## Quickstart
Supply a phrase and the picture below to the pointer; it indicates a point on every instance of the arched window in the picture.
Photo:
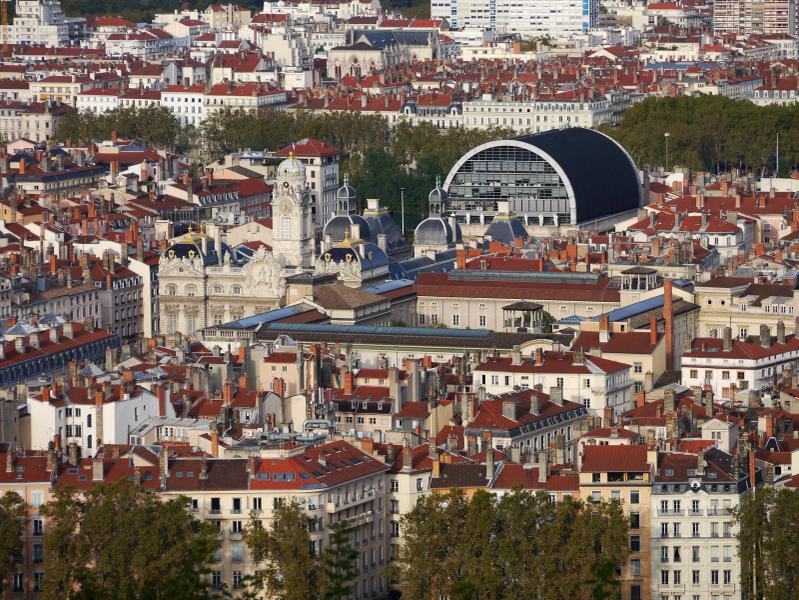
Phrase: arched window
(171, 290)
(89, 441)
(89, 420)
(218, 290)
(191, 290)
(237, 290)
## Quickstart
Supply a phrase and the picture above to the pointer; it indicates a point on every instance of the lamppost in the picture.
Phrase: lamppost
(667, 135)
(402, 208)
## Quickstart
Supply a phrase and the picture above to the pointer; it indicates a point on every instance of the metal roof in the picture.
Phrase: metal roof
(625, 312)
(387, 331)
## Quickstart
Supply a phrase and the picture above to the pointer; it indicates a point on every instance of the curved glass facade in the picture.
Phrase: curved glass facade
(508, 173)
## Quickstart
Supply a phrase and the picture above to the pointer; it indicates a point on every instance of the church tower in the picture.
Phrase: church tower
(292, 227)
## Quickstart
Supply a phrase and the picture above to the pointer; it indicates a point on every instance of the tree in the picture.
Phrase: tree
(340, 562)
(286, 566)
(118, 541)
(153, 125)
(520, 546)
(767, 521)
(12, 519)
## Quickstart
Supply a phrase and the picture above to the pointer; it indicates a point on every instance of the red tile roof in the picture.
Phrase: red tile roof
(615, 458)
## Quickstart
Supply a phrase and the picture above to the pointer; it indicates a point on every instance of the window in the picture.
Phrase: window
(634, 497)
(664, 577)
(587, 402)
(216, 580)
(635, 592)
(695, 577)
(695, 553)
(664, 554)
(394, 529)
(236, 505)
(675, 529)
(216, 505)
(236, 580)
(38, 553)
(393, 507)
(677, 577)
(635, 543)
(237, 290)
(635, 567)
(38, 526)
(19, 582)
(89, 420)
(456, 320)
(664, 530)
(236, 527)
(695, 529)
(37, 499)
(482, 320)
(596, 477)
(727, 577)
(635, 520)
(419, 487)
(394, 485)
(638, 367)
(714, 577)
(694, 374)
(256, 504)
(285, 227)
(677, 554)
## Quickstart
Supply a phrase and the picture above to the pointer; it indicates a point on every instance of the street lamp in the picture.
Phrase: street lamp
(402, 208)
(667, 135)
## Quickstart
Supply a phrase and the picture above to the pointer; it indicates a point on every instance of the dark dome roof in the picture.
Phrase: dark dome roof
(435, 231)
(601, 173)
(373, 257)
(201, 245)
(380, 222)
(346, 192)
(340, 227)
(506, 229)
(437, 194)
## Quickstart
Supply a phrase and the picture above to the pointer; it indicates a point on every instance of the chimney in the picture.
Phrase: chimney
(765, 336)
(489, 456)
(607, 417)
(653, 331)
(539, 357)
(668, 317)
(348, 382)
(509, 409)
(780, 332)
(556, 395)
(98, 471)
(407, 457)
(214, 439)
(243, 381)
(668, 401)
(543, 466)
(516, 356)
(227, 392)
(604, 329)
(727, 333)
(535, 404)
(640, 399)
(72, 454)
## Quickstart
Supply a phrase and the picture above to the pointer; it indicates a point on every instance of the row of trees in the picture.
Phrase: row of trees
(153, 125)
(710, 133)
(768, 523)
(518, 546)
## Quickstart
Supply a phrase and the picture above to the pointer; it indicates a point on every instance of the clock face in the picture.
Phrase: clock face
(286, 184)
(284, 206)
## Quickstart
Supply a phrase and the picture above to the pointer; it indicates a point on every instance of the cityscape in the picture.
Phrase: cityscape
(363, 299)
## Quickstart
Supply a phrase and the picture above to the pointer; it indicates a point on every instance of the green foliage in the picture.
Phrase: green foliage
(12, 513)
(286, 569)
(710, 133)
(118, 541)
(153, 125)
(340, 562)
(519, 546)
(380, 160)
(546, 322)
(143, 10)
(769, 549)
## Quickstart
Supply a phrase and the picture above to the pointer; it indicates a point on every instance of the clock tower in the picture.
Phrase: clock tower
(292, 227)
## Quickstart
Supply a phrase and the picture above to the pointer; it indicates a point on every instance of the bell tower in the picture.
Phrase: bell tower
(292, 227)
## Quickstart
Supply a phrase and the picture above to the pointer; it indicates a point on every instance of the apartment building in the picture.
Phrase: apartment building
(694, 549)
(332, 482)
(624, 473)
(728, 365)
(591, 381)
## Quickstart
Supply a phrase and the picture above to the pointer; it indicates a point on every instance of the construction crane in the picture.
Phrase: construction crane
(4, 19)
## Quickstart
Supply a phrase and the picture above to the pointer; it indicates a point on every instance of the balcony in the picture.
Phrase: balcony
(715, 512)
(343, 503)
(361, 519)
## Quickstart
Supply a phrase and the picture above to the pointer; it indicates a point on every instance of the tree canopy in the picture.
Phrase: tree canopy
(710, 133)
(118, 541)
(286, 568)
(519, 546)
(768, 520)
(154, 125)
(12, 513)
